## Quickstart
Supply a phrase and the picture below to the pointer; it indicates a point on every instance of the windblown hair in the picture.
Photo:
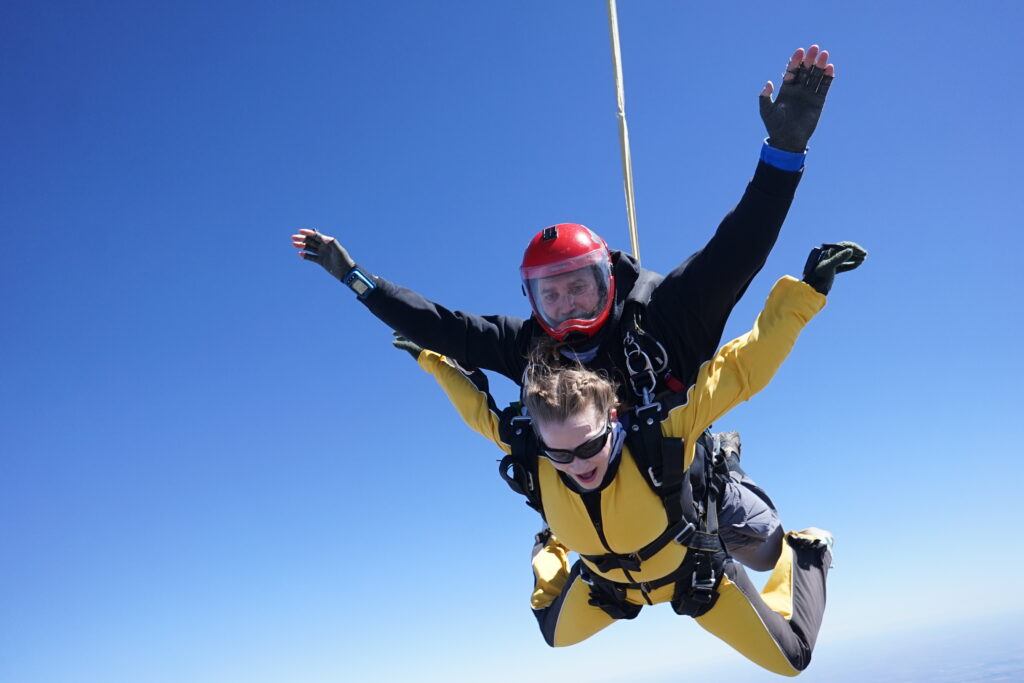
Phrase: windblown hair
(552, 393)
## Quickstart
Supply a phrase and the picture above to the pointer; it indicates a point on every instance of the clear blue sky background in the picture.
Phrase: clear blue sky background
(215, 467)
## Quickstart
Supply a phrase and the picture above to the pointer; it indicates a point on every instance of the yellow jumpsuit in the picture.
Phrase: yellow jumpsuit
(775, 628)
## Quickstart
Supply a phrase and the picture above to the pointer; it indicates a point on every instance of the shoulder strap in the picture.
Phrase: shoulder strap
(519, 468)
(689, 496)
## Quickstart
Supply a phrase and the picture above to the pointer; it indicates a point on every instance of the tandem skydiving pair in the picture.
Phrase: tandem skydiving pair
(622, 368)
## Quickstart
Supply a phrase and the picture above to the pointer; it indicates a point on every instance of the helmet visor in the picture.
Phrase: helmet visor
(570, 298)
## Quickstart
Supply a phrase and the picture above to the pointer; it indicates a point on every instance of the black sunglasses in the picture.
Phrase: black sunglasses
(587, 449)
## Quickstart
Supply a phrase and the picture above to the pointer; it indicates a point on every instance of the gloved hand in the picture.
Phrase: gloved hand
(793, 116)
(612, 601)
(409, 346)
(324, 250)
(825, 261)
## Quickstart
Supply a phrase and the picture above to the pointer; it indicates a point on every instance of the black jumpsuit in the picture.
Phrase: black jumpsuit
(686, 313)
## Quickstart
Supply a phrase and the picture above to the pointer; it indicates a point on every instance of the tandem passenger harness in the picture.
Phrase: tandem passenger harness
(690, 498)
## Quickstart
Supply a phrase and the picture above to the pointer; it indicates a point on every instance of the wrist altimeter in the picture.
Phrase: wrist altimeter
(359, 281)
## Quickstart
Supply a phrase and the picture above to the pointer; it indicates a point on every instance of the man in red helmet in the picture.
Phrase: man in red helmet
(651, 333)
(567, 273)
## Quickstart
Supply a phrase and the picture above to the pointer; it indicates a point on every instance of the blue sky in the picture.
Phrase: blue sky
(213, 465)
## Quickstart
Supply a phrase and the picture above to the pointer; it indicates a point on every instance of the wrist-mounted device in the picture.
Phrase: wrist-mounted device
(359, 282)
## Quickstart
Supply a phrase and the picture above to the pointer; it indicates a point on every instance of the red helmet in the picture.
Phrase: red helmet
(567, 273)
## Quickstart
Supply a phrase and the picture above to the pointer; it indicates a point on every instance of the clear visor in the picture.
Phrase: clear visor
(591, 258)
(569, 295)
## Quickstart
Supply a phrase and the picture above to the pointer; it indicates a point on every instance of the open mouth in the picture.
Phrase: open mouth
(587, 478)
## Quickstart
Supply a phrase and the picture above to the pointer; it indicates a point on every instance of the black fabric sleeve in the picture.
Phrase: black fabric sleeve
(495, 342)
(688, 310)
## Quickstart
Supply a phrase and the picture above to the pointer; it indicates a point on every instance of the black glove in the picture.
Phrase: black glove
(793, 116)
(613, 605)
(410, 347)
(329, 254)
(825, 261)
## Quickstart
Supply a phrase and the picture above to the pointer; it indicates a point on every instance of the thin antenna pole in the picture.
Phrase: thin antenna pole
(627, 162)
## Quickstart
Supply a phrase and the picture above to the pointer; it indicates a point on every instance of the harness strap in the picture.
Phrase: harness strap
(699, 595)
(519, 468)
(697, 580)
(706, 484)
(680, 532)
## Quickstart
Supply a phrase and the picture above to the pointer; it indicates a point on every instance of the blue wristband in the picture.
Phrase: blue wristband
(780, 159)
(360, 283)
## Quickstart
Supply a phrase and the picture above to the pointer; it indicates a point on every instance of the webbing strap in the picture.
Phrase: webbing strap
(684, 574)
(680, 532)
(518, 468)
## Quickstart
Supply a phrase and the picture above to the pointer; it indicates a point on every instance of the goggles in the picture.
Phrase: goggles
(586, 450)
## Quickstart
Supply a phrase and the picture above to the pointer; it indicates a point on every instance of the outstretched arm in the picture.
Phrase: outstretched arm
(490, 342)
(688, 311)
(745, 365)
(468, 392)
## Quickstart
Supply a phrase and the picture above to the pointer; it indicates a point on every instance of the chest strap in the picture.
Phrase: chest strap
(680, 532)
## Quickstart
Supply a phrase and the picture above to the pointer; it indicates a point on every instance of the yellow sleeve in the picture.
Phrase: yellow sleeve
(745, 365)
(550, 572)
(473, 403)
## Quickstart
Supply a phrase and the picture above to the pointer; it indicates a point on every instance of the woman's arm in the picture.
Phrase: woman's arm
(468, 393)
(745, 365)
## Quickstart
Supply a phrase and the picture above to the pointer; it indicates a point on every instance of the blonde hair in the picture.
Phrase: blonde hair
(553, 394)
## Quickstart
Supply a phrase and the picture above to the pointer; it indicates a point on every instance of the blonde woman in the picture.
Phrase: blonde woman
(603, 498)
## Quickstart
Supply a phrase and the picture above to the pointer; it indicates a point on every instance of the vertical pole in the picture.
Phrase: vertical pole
(627, 162)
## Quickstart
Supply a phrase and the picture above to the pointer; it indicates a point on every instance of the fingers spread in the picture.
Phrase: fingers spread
(768, 89)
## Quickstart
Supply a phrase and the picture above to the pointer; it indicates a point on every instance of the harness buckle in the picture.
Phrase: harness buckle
(702, 581)
(707, 584)
(648, 405)
(654, 479)
(521, 419)
(686, 534)
(702, 591)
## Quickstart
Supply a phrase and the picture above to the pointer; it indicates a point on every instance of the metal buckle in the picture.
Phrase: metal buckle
(703, 585)
(702, 590)
(654, 479)
(686, 534)
(638, 363)
(520, 418)
(648, 405)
